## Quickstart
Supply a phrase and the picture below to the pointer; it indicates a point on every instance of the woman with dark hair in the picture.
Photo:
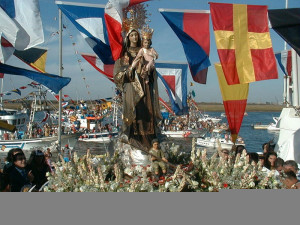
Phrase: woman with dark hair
(268, 147)
(140, 99)
(37, 163)
(8, 167)
(19, 174)
(270, 159)
(252, 157)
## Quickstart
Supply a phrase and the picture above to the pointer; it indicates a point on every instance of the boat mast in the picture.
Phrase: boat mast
(60, 74)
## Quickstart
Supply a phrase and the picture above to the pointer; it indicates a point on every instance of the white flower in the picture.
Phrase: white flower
(252, 184)
(195, 183)
(210, 189)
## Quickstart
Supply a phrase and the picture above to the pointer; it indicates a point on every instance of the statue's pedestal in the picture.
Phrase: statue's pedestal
(130, 155)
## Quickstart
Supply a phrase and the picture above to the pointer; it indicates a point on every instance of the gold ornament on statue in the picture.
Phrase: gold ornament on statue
(147, 32)
(134, 17)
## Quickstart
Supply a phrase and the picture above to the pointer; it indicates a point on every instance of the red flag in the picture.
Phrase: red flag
(106, 70)
(243, 42)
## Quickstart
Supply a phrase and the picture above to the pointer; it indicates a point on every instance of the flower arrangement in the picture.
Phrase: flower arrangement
(105, 173)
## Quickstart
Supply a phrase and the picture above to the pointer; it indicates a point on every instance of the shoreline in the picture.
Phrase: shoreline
(203, 106)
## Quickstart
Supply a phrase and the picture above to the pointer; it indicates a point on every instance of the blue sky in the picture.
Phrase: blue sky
(89, 84)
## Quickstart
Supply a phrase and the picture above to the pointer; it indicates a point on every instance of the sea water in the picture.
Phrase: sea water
(253, 138)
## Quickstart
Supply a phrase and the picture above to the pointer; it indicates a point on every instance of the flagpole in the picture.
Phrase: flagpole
(60, 74)
(2, 92)
(286, 80)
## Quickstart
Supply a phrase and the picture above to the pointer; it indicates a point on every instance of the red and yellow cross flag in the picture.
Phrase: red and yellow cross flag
(234, 101)
(243, 42)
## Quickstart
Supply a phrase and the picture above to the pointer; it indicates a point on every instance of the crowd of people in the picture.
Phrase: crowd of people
(21, 175)
(271, 163)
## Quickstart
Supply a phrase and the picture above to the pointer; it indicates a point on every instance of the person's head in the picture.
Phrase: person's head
(225, 154)
(290, 165)
(155, 144)
(279, 164)
(19, 160)
(290, 179)
(239, 149)
(146, 43)
(252, 157)
(268, 147)
(11, 153)
(37, 157)
(132, 39)
(261, 159)
(270, 159)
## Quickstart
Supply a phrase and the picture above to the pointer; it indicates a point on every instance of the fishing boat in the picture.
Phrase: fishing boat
(273, 126)
(259, 126)
(99, 137)
(212, 140)
(193, 133)
(206, 118)
(38, 143)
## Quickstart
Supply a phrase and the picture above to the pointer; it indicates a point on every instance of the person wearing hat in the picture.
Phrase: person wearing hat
(67, 153)
(158, 158)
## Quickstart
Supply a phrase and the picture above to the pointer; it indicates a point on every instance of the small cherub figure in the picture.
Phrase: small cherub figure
(148, 53)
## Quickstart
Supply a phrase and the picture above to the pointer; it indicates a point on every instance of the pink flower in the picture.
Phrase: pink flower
(225, 185)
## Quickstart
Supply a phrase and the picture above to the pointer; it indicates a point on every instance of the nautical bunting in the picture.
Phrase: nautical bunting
(243, 42)
(89, 20)
(53, 82)
(174, 78)
(6, 49)
(105, 69)
(286, 23)
(34, 57)
(192, 28)
(234, 100)
(284, 60)
(21, 23)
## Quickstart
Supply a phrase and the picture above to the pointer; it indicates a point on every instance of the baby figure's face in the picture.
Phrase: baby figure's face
(146, 43)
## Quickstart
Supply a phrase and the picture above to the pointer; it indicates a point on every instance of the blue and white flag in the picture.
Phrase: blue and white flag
(284, 60)
(89, 20)
(21, 23)
(51, 81)
(174, 78)
(192, 28)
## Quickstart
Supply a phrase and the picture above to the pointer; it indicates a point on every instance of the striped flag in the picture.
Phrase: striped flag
(174, 78)
(6, 49)
(21, 23)
(34, 57)
(234, 100)
(243, 42)
(192, 28)
(284, 60)
(89, 20)
(105, 69)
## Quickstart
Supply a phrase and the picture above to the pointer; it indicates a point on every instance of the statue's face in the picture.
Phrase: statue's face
(146, 43)
(133, 37)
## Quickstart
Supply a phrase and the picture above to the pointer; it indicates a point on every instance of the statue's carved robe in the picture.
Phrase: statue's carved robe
(140, 100)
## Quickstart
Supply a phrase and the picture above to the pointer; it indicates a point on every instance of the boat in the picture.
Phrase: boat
(215, 137)
(259, 126)
(273, 126)
(99, 137)
(38, 143)
(193, 133)
(288, 144)
(206, 118)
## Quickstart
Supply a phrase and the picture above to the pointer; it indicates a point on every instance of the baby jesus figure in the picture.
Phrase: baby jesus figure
(149, 55)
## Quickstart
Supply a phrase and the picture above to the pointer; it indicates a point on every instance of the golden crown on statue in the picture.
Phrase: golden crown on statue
(134, 17)
(147, 32)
